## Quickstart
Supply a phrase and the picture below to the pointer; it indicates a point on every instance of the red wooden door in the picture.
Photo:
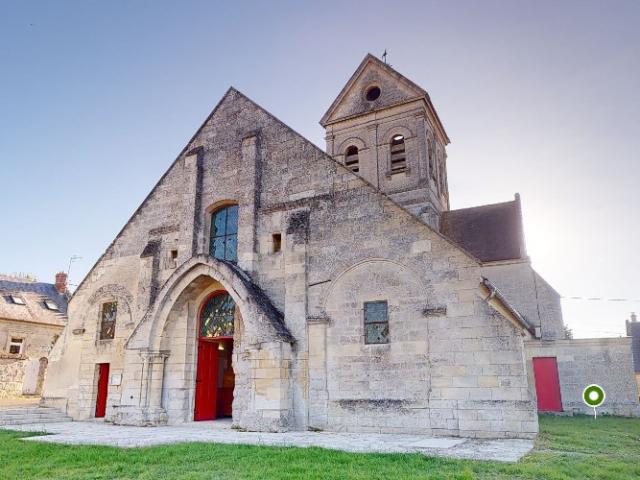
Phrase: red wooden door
(226, 377)
(206, 381)
(103, 386)
(545, 371)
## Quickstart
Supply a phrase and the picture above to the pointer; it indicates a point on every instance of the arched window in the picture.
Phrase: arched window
(351, 160)
(224, 234)
(398, 155)
(217, 315)
(442, 169)
(108, 315)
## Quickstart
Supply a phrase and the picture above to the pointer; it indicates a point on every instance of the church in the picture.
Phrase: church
(289, 288)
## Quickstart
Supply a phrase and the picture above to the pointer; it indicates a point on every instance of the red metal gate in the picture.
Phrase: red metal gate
(545, 371)
(103, 386)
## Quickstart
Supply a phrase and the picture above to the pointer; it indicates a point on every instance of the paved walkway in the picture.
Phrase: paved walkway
(100, 433)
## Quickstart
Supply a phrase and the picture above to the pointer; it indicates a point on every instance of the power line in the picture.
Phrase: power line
(602, 299)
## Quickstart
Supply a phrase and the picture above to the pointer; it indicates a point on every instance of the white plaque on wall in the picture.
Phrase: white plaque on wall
(116, 379)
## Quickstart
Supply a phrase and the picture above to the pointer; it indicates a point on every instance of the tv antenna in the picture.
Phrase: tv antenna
(72, 259)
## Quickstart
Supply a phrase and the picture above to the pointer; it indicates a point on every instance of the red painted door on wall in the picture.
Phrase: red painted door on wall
(226, 377)
(206, 381)
(545, 371)
(103, 386)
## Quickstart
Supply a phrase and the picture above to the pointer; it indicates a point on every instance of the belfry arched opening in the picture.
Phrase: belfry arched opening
(215, 378)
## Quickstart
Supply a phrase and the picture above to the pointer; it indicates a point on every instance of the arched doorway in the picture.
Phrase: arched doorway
(215, 379)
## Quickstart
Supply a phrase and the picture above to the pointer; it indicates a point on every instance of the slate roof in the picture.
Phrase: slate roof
(34, 295)
(489, 232)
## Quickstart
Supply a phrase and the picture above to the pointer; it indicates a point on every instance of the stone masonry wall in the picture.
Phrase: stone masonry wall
(604, 361)
(12, 372)
(461, 372)
(530, 294)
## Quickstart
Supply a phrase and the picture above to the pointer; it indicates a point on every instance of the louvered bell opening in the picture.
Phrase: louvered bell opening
(398, 155)
(351, 160)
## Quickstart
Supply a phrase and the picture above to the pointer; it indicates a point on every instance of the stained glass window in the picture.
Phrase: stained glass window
(108, 320)
(224, 234)
(217, 316)
(376, 322)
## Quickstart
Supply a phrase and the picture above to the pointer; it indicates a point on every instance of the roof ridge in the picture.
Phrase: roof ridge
(481, 206)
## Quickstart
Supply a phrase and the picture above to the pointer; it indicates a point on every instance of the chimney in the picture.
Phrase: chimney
(61, 282)
(634, 317)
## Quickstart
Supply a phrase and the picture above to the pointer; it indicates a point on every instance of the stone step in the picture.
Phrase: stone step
(33, 415)
(26, 415)
(27, 411)
(32, 421)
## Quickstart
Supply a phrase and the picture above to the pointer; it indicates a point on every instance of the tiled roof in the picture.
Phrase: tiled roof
(489, 232)
(34, 295)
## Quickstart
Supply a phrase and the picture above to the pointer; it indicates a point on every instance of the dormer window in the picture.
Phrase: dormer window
(51, 305)
(351, 159)
(398, 154)
(17, 300)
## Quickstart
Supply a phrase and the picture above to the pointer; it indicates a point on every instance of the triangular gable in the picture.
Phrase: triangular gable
(395, 89)
(229, 96)
(231, 91)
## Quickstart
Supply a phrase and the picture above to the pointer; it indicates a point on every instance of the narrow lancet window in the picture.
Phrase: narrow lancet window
(398, 154)
(351, 159)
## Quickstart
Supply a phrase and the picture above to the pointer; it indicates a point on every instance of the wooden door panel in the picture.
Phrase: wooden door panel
(206, 381)
(103, 387)
(545, 371)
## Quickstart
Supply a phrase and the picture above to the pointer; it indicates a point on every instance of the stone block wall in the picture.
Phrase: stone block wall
(530, 294)
(458, 372)
(29, 368)
(604, 361)
(12, 371)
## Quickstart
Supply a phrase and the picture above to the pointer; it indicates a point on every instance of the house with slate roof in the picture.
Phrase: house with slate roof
(32, 316)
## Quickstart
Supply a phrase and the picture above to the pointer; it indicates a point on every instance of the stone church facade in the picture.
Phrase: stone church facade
(294, 289)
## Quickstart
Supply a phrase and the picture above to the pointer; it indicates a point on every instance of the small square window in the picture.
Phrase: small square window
(174, 254)
(376, 322)
(17, 300)
(15, 346)
(277, 242)
(51, 305)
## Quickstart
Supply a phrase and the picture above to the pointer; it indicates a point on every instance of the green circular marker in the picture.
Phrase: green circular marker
(593, 395)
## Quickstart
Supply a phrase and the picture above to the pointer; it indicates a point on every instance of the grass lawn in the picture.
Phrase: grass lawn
(578, 447)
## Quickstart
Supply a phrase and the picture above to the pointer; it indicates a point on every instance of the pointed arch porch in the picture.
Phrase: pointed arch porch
(261, 355)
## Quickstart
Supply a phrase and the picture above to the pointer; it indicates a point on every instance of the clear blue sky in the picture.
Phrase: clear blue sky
(98, 97)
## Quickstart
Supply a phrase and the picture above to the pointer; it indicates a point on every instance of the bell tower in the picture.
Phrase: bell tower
(384, 128)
